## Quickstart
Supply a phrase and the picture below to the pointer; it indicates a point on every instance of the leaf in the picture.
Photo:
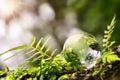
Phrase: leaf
(2, 72)
(32, 56)
(38, 48)
(37, 59)
(52, 54)
(33, 42)
(13, 55)
(30, 51)
(44, 44)
(95, 73)
(104, 57)
(63, 77)
(38, 43)
(109, 57)
(47, 50)
(113, 58)
(107, 36)
(15, 48)
(53, 77)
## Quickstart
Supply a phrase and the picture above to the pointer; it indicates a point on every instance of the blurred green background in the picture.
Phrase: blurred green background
(93, 15)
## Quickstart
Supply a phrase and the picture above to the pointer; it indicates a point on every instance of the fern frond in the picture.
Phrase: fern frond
(20, 48)
(33, 42)
(13, 49)
(107, 36)
(39, 42)
(43, 46)
(38, 48)
(33, 55)
(14, 55)
(47, 50)
(34, 49)
(52, 54)
(109, 57)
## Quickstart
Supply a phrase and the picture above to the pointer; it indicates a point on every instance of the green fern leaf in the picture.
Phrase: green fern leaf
(32, 56)
(107, 36)
(63, 77)
(112, 58)
(43, 46)
(38, 43)
(33, 42)
(109, 57)
(20, 48)
(32, 50)
(14, 55)
(15, 48)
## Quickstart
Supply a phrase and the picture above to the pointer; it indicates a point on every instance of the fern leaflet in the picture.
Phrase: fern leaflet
(107, 36)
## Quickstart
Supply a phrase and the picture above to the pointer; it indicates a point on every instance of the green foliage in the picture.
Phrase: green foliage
(3, 72)
(63, 77)
(43, 65)
(48, 69)
(107, 36)
(13, 49)
(21, 48)
(109, 57)
(38, 49)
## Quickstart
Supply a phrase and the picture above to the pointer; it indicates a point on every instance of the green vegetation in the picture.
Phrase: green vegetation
(45, 66)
